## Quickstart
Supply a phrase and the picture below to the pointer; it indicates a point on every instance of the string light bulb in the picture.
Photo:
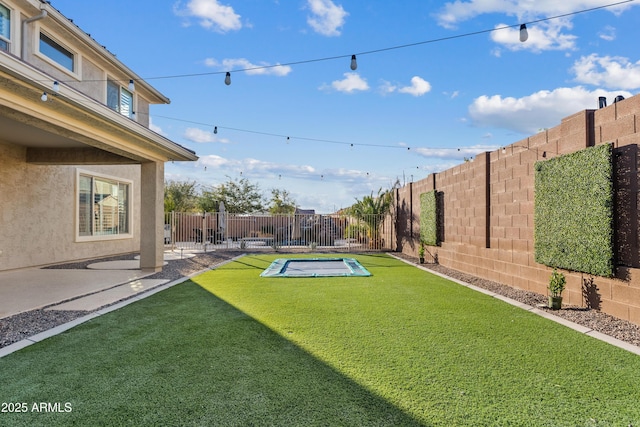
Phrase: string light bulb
(44, 97)
(524, 34)
(132, 86)
(227, 79)
(215, 130)
(56, 87)
(354, 63)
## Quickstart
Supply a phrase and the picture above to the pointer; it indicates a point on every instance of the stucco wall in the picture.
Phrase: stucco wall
(488, 211)
(37, 212)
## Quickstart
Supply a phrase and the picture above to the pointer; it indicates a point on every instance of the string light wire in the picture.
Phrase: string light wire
(290, 138)
(373, 51)
(386, 49)
(352, 56)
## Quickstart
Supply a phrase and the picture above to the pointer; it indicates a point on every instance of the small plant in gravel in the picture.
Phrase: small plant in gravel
(557, 284)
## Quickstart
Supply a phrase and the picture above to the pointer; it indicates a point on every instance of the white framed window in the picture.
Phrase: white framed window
(119, 99)
(104, 208)
(60, 55)
(5, 28)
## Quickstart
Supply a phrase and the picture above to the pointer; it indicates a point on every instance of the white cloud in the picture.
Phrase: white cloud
(345, 175)
(608, 33)
(212, 15)
(260, 166)
(458, 11)
(202, 136)
(327, 18)
(419, 87)
(612, 72)
(351, 83)
(529, 114)
(542, 36)
(325, 190)
(262, 68)
(214, 161)
(155, 128)
(453, 153)
(254, 167)
(386, 87)
(452, 95)
(548, 35)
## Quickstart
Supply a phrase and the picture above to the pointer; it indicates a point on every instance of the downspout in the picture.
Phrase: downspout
(23, 46)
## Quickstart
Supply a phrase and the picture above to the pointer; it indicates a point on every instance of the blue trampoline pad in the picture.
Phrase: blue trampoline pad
(315, 267)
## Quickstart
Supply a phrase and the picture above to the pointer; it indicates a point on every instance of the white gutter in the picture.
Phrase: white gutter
(23, 46)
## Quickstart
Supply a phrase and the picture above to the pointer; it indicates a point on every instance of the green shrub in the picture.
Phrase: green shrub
(429, 218)
(574, 211)
(355, 231)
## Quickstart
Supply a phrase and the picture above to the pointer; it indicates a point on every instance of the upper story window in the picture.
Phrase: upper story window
(5, 28)
(57, 53)
(119, 99)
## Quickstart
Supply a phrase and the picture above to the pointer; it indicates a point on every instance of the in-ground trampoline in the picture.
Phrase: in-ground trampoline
(315, 267)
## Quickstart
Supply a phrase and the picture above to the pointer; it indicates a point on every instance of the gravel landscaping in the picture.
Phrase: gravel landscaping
(24, 325)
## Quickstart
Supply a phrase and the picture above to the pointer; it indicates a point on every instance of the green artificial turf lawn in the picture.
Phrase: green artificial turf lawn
(402, 347)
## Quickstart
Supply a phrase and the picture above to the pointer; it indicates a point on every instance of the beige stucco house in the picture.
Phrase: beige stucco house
(81, 173)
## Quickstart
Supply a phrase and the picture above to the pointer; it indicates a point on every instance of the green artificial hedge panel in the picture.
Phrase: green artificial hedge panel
(429, 218)
(574, 211)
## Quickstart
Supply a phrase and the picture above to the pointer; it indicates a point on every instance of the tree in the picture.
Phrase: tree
(371, 210)
(281, 202)
(179, 196)
(207, 201)
(238, 195)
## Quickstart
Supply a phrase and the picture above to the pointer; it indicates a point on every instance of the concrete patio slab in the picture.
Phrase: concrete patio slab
(131, 264)
(172, 256)
(31, 289)
(134, 264)
(109, 296)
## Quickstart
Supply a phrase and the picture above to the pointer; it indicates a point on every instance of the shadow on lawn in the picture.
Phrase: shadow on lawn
(249, 262)
(314, 392)
(183, 357)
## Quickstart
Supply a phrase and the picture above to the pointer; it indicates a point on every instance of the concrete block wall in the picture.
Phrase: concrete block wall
(488, 211)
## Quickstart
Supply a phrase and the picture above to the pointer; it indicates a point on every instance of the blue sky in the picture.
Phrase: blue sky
(402, 114)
